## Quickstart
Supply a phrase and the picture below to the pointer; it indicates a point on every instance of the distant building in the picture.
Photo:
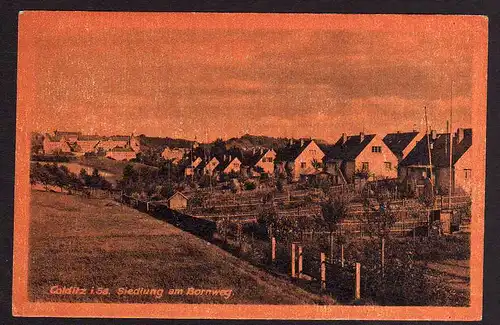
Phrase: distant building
(112, 142)
(174, 154)
(134, 143)
(68, 136)
(208, 166)
(55, 144)
(260, 161)
(190, 168)
(178, 201)
(119, 153)
(300, 158)
(229, 164)
(417, 165)
(361, 155)
(86, 144)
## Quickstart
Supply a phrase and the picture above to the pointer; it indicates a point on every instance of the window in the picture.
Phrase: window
(364, 166)
(467, 173)
(388, 165)
(313, 152)
(376, 149)
(303, 165)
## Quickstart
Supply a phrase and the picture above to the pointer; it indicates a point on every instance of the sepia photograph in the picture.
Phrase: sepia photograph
(265, 166)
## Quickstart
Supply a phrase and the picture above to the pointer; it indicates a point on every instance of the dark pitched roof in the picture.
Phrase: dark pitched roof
(397, 142)
(440, 154)
(121, 149)
(224, 163)
(252, 157)
(118, 138)
(89, 137)
(291, 151)
(348, 150)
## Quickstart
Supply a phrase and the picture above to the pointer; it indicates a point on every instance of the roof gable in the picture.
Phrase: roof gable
(292, 151)
(349, 149)
(398, 142)
(440, 153)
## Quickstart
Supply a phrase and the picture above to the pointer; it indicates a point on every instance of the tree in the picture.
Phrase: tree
(167, 190)
(379, 213)
(333, 211)
(279, 185)
(268, 217)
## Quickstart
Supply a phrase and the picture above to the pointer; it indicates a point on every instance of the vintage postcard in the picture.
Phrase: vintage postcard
(250, 166)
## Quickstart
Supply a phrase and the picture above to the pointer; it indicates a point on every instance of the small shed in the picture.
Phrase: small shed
(178, 201)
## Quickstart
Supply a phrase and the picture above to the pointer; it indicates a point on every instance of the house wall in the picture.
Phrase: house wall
(443, 179)
(209, 168)
(175, 154)
(311, 153)
(268, 166)
(189, 170)
(121, 155)
(463, 181)
(177, 202)
(234, 166)
(376, 160)
(349, 170)
(334, 168)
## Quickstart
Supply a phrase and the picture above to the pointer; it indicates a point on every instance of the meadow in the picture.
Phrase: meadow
(77, 242)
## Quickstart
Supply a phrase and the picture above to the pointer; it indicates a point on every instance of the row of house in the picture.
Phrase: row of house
(400, 155)
(78, 144)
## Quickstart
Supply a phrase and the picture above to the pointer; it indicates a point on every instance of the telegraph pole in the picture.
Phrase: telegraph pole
(451, 146)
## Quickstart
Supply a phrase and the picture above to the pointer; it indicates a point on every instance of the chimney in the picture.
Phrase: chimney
(361, 137)
(433, 134)
(253, 151)
(344, 138)
(224, 157)
(301, 142)
(460, 135)
(230, 157)
(291, 141)
(261, 151)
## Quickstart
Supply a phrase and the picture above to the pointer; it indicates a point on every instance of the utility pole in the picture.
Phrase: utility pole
(429, 150)
(451, 147)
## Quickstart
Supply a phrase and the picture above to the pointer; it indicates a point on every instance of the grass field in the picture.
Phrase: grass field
(90, 243)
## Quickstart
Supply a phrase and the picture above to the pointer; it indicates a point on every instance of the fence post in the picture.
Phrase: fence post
(382, 256)
(357, 291)
(331, 245)
(323, 270)
(342, 254)
(273, 249)
(293, 260)
(300, 261)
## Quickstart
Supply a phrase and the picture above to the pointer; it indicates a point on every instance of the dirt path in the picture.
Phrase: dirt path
(455, 272)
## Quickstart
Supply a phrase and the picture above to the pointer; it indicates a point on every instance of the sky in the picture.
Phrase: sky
(224, 75)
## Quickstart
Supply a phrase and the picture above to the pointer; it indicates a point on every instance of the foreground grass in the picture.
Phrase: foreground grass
(80, 242)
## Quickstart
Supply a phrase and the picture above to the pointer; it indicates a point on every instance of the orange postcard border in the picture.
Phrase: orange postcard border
(21, 306)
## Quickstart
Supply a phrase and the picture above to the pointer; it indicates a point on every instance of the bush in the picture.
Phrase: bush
(279, 185)
(249, 186)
